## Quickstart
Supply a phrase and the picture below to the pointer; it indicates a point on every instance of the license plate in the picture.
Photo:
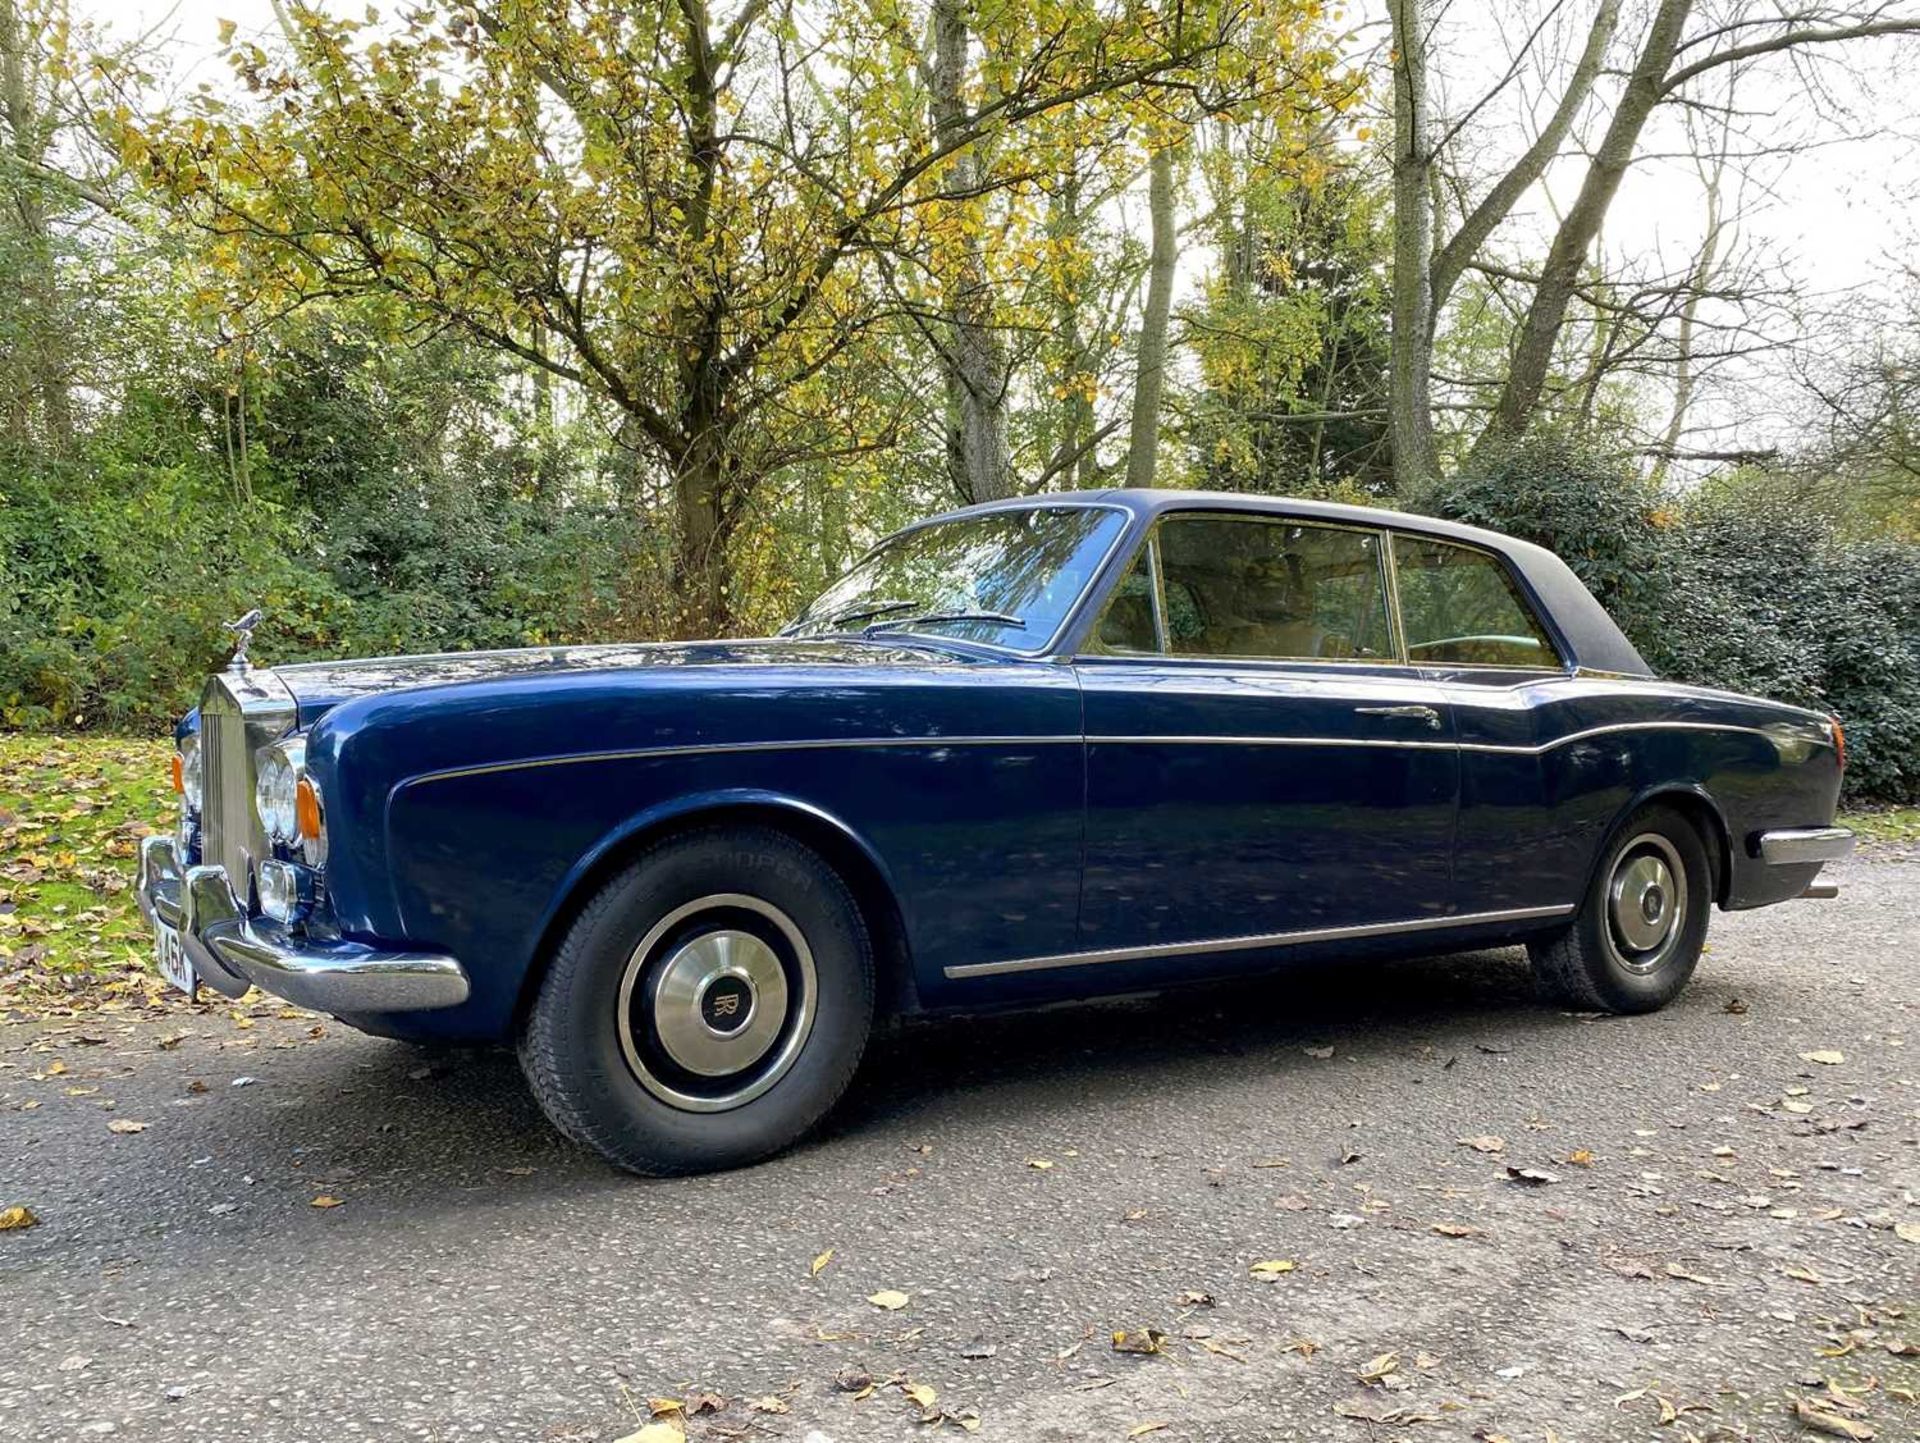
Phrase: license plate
(171, 958)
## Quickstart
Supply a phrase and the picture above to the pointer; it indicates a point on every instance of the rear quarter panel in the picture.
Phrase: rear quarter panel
(1550, 765)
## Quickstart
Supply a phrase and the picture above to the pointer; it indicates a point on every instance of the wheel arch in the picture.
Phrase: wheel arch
(859, 865)
(1697, 805)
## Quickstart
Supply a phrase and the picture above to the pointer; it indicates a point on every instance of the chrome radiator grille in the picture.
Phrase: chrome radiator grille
(240, 711)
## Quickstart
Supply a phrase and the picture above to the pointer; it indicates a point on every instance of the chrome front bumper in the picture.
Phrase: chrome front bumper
(231, 951)
(1803, 846)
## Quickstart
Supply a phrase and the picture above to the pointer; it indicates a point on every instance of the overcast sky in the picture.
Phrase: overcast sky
(1835, 220)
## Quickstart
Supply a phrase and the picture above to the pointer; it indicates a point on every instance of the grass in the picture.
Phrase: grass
(1885, 824)
(72, 811)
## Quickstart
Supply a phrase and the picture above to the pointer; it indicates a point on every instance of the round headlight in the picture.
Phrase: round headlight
(275, 790)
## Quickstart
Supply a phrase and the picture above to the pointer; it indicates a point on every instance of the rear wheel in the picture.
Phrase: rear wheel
(1639, 931)
(706, 1008)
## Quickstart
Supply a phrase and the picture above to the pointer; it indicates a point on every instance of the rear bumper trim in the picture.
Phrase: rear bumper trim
(1801, 846)
(232, 951)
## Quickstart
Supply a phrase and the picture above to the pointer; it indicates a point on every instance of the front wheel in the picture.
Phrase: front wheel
(1638, 934)
(706, 1008)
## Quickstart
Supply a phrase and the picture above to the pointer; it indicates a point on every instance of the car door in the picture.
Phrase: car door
(1260, 758)
(1527, 808)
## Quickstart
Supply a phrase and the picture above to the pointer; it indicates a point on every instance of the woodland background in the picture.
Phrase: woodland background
(454, 325)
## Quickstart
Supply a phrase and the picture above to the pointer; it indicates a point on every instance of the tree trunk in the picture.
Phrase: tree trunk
(1540, 331)
(980, 459)
(43, 358)
(1143, 443)
(1074, 451)
(1466, 243)
(1410, 342)
(546, 431)
(701, 487)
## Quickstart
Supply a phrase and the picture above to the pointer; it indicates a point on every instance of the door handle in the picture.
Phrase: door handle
(1412, 713)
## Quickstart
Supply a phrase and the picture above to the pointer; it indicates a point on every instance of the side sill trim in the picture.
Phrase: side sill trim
(1254, 942)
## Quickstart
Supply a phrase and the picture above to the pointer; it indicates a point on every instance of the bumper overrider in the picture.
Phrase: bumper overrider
(231, 950)
(1806, 847)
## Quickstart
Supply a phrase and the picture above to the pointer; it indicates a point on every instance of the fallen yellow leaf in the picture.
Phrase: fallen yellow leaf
(921, 1394)
(1039, 1164)
(1140, 1430)
(1379, 1368)
(1833, 1423)
(667, 1431)
(1824, 1058)
(12, 1219)
(819, 1263)
(1675, 1270)
(326, 1200)
(126, 1124)
(888, 1300)
(1273, 1268)
(1907, 1232)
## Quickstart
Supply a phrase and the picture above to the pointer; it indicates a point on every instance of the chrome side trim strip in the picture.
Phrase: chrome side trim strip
(1242, 741)
(810, 744)
(1496, 748)
(1796, 846)
(860, 743)
(1253, 943)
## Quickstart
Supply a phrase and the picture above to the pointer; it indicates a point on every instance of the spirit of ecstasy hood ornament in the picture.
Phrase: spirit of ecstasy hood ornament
(242, 638)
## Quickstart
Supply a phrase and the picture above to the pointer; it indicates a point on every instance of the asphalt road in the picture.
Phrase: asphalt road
(1721, 1239)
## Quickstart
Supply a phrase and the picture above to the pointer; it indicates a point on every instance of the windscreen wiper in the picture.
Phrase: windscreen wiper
(927, 618)
(858, 612)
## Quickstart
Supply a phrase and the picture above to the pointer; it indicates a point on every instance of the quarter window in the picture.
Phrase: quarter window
(1459, 607)
(1251, 587)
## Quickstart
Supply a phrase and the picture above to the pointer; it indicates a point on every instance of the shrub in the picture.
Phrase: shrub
(1738, 586)
(1769, 598)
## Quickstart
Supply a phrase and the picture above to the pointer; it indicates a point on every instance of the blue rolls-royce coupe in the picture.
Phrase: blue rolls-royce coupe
(1051, 747)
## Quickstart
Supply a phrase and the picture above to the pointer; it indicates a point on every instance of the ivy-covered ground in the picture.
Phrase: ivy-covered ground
(72, 811)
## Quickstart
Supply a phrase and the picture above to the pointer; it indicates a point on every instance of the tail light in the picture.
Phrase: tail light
(1839, 740)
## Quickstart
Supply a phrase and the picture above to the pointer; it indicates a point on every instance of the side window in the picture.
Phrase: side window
(1127, 624)
(1459, 606)
(1246, 586)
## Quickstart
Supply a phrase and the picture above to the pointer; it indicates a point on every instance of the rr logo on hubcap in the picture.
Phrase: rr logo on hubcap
(725, 1005)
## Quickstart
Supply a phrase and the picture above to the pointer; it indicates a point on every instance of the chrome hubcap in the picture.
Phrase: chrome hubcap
(1646, 902)
(716, 1002)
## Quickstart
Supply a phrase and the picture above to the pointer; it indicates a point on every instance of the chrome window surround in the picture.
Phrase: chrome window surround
(1391, 575)
(1383, 560)
(1516, 587)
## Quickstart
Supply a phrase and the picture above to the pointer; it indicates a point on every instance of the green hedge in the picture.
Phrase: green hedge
(1741, 585)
